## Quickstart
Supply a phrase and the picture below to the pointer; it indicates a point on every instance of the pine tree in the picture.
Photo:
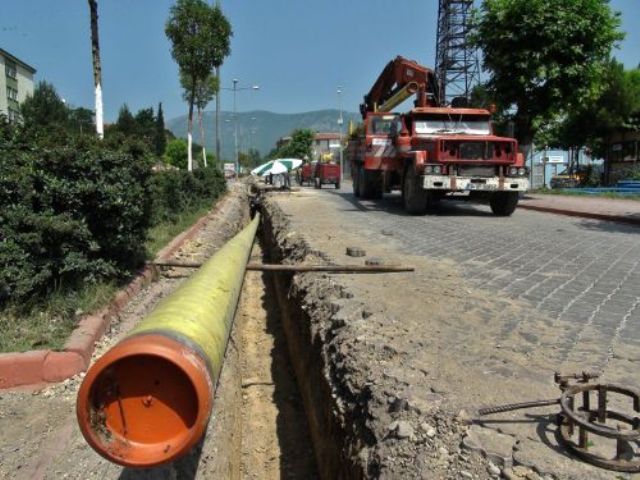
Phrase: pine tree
(160, 140)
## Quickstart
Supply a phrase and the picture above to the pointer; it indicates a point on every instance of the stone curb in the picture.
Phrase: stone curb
(575, 213)
(37, 367)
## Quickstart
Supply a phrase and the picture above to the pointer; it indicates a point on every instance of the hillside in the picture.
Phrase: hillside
(267, 127)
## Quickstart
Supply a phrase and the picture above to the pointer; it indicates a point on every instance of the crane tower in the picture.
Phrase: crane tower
(457, 64)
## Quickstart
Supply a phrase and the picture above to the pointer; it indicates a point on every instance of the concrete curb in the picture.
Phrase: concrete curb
(574, 213)
(37, 367)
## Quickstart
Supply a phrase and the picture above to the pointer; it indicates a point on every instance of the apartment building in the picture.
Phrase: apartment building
(16, 83)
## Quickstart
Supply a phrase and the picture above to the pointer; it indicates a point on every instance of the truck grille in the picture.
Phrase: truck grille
(477, 170)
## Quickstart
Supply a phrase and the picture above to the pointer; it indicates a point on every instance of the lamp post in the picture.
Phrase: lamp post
(235, 90)
(340, 122)
(218, 128)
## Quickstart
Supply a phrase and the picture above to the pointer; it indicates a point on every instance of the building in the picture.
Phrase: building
(16, 83)
(325, 146)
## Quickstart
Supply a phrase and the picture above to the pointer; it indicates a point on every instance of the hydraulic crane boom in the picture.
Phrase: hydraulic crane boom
(400, 79)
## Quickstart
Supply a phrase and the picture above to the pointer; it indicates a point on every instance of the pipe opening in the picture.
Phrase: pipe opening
(142, 401)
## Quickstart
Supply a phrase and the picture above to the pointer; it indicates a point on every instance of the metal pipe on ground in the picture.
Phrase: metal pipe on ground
(147, 401)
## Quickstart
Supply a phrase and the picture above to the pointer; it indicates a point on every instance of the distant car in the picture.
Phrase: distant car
(570, 179)
(326, 173)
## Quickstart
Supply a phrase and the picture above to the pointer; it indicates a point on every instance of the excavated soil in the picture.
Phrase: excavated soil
(392, 368)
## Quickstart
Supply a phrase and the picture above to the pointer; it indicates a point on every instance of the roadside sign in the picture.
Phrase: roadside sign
(553, 159)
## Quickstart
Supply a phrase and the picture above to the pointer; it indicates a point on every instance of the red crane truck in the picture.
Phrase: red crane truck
(431, 151)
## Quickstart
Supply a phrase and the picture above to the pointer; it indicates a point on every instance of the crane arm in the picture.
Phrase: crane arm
(400, 79)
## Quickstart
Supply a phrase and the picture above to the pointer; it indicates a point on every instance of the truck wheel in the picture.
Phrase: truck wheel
(317, 183)
(414, 197)
(355, 182)
(337, 185)
(370, 184)
(503, 204)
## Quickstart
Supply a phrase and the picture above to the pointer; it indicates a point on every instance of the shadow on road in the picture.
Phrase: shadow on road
(392, 203)
(183, 468)
(610, 227)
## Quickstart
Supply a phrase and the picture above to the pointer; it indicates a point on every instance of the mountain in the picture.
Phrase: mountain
(259, 129)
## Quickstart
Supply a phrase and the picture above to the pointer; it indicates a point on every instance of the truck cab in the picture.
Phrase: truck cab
(462, 154)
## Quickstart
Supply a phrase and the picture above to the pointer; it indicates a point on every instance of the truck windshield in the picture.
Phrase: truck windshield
(382, 125)
(450, 124)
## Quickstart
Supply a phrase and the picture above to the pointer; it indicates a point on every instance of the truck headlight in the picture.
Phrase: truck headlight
(428, 169)
(437, 169)
(513, 171)
(522, 171)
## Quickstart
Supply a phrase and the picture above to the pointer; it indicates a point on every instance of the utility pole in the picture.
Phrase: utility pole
(235, 127)
(235, 90)
(218, 128)
(340, 123)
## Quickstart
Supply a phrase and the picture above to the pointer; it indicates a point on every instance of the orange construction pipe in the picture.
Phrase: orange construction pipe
(147, 401)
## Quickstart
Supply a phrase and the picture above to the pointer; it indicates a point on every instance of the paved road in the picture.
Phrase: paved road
(585, 272)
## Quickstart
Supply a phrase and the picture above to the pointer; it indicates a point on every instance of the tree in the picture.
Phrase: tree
(145, 124)
(44, 108)
(205, 90)
(126, 122)
(545, 57)
(81, 120)
(97, 68)
(176, 153)
(616, 108)
(200, 39)
(299, 146)
(160, 138)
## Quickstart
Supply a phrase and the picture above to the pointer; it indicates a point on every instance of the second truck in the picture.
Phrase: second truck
(432, 151)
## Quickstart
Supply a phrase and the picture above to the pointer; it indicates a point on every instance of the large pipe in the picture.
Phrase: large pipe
(147, 401)
(398, 97)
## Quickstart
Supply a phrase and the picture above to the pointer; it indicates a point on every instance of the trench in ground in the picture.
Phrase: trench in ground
(259, 426)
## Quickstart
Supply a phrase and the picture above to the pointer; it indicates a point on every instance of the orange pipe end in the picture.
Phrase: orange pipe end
(146, 402)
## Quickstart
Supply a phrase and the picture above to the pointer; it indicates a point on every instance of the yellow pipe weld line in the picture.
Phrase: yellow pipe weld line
(202, 309)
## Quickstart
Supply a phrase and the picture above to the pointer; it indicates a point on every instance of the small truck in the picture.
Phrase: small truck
(326, 173)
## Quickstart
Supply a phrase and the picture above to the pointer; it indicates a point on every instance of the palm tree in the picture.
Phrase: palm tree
(97, 69)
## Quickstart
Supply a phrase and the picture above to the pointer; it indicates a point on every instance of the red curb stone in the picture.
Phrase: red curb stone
(574, 213)
(61, 365)
(38, 366)
(82, 343)
(21, 368)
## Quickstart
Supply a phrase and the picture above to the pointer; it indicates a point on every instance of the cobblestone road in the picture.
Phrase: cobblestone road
(585, 272)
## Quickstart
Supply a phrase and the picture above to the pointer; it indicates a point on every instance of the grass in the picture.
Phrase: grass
(163, 233)
(613, 195)
(47, 324)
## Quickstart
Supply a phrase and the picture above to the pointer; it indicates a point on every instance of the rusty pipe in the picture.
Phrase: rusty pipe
(147, 401)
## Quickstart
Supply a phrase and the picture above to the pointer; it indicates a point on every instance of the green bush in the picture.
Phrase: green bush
(77, 211)
(175, 191)
(71, 214)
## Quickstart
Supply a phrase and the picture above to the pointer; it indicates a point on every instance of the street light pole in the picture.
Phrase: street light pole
(340, 122)
(236, 89)
(218, 127)
(235, 133)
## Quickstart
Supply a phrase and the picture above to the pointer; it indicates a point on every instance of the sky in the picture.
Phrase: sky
(297, 51)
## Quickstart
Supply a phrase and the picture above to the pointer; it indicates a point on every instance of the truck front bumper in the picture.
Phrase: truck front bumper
(472, 184)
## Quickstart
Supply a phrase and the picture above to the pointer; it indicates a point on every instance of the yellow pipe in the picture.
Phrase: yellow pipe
(147, 401)
(399, 97)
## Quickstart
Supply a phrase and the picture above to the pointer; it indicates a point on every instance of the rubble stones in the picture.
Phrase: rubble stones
(497, 447)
